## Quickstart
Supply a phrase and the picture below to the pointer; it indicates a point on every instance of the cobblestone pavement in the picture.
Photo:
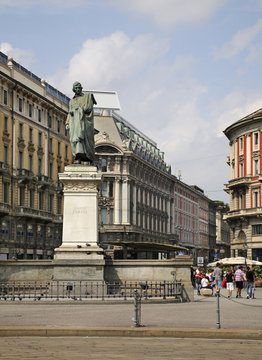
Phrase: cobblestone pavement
(79, 348)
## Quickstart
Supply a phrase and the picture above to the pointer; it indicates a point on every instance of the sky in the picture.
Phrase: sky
(184, 70)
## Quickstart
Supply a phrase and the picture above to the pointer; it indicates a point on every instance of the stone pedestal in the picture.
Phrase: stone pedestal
(80, 220)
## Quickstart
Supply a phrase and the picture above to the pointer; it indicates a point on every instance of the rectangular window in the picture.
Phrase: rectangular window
(257, 229)
(6, 192)
(30, 110)
(58, 148)
(20, 104)
(59, 205)
(5, 97)
(39, 166)
(111, 188)
(104, 165)
(30, 162)
(242, 201)
(241, 165)
(5, 154)
(21, 196)
(20, 160)
(30, 135)
(39, 115)
(66, 152)
(50, 202)
(50, 145)
(58, 126)
(6, 124)
(256, 167)
(255, 199)
(104, 189)
(51, 170)
(39, 139)
(104, 216)
(241, 147)
(31, 198)
(40, 200)
(20, 130)
(256, 140)
(50, 121)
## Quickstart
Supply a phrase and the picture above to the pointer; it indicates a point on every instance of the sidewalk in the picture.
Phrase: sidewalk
(240, 319)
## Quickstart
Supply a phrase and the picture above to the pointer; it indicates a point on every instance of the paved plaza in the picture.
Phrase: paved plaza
(171, 330)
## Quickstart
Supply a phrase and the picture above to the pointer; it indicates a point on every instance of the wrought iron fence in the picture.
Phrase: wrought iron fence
(86, 290)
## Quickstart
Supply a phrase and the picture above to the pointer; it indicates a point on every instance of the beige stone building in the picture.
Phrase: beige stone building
(34, 149)
(136, 196)
(244, 186)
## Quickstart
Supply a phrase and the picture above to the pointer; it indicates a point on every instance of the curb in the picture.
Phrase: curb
(9, 331)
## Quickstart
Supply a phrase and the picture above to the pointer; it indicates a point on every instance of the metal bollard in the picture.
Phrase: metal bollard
(218, 310)
(137, 309)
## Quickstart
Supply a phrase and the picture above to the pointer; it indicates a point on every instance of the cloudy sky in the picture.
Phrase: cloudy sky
(184, 69)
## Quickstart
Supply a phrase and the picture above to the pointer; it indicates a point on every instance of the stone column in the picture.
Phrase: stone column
(134, 204)
(126, 202)
(117, 200)
(168, 214)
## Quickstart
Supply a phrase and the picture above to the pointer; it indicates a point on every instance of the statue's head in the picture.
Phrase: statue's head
(77, 88)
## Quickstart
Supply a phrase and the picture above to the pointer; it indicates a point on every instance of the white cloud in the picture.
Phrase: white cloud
(110, 60)
(241, 40)
(168, 13)
(159, 97)
(235, 105)
(25, 57)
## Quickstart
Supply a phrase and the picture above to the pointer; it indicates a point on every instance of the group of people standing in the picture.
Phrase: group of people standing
(231, 279)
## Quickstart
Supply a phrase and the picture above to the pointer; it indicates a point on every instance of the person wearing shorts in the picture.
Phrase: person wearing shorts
(239, 277)
(230, 283)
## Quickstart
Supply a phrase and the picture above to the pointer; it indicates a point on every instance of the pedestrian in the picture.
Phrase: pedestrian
(218, 279)
(230, 282)
(239, 277)
(198, 279)
(205, 284)
(210, 275)
(250, 282)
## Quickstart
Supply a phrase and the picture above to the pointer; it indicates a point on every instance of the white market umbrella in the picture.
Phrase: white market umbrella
(238, 260)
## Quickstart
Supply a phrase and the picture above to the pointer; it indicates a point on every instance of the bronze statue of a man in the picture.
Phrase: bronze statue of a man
(80, 122)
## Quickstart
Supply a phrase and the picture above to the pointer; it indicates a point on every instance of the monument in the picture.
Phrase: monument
(80, 179)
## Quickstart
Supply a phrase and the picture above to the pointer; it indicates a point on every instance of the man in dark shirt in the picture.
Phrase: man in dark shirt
(230, 282)
(250, 282)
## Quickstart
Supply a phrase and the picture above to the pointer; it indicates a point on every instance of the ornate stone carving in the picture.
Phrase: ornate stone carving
(76, 185)
(102, 137)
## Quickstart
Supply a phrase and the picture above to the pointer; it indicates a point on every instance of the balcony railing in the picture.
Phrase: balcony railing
(4, 208)
(239, 182)
(29, 212)
(243, 212)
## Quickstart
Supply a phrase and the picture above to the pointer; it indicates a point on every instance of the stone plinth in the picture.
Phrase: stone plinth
(80, 221)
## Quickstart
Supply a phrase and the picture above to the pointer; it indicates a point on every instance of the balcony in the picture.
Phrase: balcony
(4, 168)
(243, 213)
(26, 212)
(44, 181)
(238, 183)
(4, 209)
(24, 175)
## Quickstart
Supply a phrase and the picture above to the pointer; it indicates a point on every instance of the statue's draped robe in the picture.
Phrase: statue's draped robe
(80, 120)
